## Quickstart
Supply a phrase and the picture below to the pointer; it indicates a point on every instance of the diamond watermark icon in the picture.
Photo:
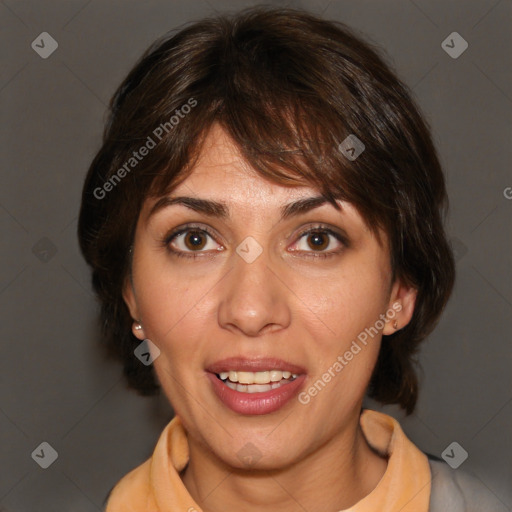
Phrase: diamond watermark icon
(459, 248)
(454, 45)
(351, 147)
(249, 249)
(45, 455)
(454, 455)
(44, 45)
(146, 352)
(44, 249)
(249, 454)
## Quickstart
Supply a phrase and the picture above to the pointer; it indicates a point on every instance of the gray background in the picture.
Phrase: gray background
(56, 386)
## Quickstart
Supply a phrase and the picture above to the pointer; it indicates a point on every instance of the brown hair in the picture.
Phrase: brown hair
(288, 88)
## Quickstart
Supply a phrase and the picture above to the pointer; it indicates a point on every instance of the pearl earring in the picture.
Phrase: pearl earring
(395, 324)
(138, 327)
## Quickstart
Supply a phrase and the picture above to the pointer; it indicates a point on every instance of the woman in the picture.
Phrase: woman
(264, 226)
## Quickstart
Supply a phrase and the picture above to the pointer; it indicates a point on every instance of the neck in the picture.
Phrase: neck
(334, 477)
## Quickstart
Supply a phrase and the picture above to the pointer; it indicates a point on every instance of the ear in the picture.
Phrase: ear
(131, 303)
(401, 306)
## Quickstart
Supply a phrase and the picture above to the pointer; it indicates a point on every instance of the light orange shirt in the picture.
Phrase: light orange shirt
(155, 486)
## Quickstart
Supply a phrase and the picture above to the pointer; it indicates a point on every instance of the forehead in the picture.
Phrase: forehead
(222, 174)
(222, 184)
(220, 168)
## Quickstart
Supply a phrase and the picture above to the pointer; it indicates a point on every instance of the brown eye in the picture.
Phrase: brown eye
(191, 241)
(318, 241)
(195, 240)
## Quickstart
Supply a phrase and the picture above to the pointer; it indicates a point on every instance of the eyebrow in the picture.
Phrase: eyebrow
(221, 210)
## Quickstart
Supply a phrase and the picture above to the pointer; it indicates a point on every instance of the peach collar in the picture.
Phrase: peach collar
(156, 484)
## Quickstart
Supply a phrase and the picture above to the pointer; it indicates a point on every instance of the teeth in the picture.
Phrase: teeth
(261, 377)
(245, 377)
(256, 378)
(253, 388)
(275, 375)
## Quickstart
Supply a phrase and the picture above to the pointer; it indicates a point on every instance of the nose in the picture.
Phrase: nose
(254, 300)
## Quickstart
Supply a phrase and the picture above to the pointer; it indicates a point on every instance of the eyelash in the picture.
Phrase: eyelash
(318, 229)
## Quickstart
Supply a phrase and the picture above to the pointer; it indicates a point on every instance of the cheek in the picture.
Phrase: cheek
(346, 329)
(175, 311)
(338, 309)
(165, 298)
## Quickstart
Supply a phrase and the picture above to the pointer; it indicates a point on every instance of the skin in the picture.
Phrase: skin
(305, 310)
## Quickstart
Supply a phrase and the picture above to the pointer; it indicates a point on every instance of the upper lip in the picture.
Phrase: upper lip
(254, 365)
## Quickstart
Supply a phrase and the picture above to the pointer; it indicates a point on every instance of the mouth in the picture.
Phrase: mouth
(256, 382)
(255, 386)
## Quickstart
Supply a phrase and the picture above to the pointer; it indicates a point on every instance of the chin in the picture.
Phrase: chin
(258, 461)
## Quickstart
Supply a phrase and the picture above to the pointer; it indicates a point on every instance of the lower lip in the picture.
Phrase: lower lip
(256, 403)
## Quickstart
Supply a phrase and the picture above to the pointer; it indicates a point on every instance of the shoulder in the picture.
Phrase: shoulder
(458, 491)
(132, 492)
(135, 492)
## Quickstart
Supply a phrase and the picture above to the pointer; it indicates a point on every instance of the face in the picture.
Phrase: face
(281, 301)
